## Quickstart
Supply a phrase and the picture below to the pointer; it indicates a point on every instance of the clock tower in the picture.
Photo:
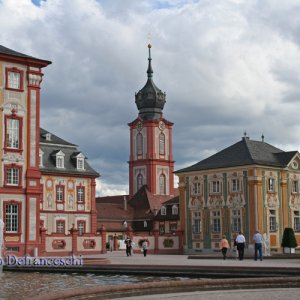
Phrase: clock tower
(151, 160)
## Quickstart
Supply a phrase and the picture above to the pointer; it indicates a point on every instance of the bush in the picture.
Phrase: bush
(288, 238)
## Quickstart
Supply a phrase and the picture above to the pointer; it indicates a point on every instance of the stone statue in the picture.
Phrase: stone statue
(49, 200)
(71, 201)
(266, 245)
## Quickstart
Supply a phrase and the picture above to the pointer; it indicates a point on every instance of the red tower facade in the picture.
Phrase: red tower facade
(151, 160)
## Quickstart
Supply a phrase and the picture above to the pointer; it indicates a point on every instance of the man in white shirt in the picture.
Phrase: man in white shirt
(240, 241)
(257, 238)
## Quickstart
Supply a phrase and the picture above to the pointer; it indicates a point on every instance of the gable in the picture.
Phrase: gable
(294, 163)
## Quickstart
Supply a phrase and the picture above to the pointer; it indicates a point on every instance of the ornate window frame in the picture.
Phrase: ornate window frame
(60, 193)
(235, 185)
(295, 187)
(296, 220)
(19, 215)
(60, 226)
(196, 222)
(12, 71)
(236, 220)
(18, 149)
(216, 223)
(273, 224)
(81, 227)
(80, 194)
(20, 174)
(271, 184)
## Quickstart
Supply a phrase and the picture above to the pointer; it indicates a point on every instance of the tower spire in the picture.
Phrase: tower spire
(150, 70)
(150, 100)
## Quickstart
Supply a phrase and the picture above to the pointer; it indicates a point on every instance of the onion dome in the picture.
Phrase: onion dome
(150, 100)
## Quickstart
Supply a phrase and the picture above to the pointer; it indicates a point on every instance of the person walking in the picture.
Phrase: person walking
(240, 241)
(224, 246)
(257, 238)
(145, 248)
(128, 246)
(111, 244)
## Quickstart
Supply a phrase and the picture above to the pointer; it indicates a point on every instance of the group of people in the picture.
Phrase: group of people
(129, 244)
(240, 242)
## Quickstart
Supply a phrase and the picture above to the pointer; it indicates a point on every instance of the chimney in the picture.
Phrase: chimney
(125, 203)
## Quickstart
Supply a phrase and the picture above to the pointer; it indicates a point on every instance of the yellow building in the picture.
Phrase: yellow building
(249, 186)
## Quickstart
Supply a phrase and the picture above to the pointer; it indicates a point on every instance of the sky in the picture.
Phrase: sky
(227, 67)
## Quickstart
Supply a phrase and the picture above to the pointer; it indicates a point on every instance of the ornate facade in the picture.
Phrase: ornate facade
(47, 188)
(20, 83)
(248, 186)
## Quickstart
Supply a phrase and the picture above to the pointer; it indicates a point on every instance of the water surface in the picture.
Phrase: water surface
(24, 285)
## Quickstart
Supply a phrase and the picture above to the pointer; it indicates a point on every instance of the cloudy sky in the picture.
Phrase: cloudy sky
(227, 66)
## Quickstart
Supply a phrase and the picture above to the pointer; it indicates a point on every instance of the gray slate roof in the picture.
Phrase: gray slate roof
(56, 144)
(7, 51)
(244, 152)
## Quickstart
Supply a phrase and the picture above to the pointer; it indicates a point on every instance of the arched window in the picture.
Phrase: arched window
(162, 184)
(163, 210)
(139, 181)
(139, 144)
(162, 144)
(174, 210)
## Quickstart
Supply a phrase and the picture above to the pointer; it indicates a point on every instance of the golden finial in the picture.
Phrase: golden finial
(149, 40)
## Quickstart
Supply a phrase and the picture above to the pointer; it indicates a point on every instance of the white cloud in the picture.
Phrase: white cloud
(226, 66)
(103, 189)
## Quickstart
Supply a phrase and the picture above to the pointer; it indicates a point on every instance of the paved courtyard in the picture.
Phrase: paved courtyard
(120, 258)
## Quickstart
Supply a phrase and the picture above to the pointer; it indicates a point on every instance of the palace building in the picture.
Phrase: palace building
(151, 210)
(47, 188)
(249, 186)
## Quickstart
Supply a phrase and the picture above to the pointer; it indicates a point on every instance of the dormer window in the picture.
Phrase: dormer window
(80, 161)
(174, 210)
(48, 136)
(60, 160)
(163, 211)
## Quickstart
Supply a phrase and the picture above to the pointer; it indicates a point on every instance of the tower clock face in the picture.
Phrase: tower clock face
(161, 125)
(139, 126)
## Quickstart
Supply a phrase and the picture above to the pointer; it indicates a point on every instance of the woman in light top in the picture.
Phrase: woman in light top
(224, 245)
